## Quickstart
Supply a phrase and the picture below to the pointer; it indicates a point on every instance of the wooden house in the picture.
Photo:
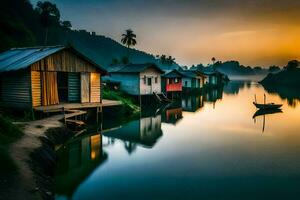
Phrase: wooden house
(136, 79)
(172, 83)
(215, 78)
(192, 80)
(44, 76)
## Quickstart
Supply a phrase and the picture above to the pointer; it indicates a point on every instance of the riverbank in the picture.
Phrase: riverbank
(287, 78)
(22, 182)
(29, 152)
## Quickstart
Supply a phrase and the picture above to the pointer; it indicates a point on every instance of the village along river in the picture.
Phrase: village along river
(205, 147)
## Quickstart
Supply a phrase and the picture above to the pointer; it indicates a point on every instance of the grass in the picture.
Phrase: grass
(127, 101)
(8, 134)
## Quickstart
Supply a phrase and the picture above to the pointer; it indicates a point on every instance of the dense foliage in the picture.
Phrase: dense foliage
(287, 77)
(25, 25)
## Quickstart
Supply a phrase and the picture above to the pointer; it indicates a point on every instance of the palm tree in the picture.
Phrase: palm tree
(49, 14)
(213, 60)
(128, 39)
(170, 60)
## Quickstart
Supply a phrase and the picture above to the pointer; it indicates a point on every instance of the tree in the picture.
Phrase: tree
(124, 60)
(129, 39)
(163, 59)
(274, 68)
(66, 24)
(49, 14)
(213, 59)
(170, 60)
(115, 61)
(293, 64)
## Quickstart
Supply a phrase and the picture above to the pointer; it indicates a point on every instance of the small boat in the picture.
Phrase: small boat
(266, 106)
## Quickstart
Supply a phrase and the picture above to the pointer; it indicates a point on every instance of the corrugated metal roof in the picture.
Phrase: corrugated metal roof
(189, 74)
(20, 58)
(172, 74)
(132, 68)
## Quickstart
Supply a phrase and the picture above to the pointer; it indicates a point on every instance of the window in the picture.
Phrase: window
(185, 83)
(149, 81)
(176, 80)
(155, 79)
(144, 80)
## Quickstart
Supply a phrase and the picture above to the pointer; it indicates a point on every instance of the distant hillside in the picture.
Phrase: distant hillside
(233, 68)
(21, 26)
(288, 78)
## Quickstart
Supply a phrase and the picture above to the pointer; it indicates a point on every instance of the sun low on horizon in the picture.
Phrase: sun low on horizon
(253, 32)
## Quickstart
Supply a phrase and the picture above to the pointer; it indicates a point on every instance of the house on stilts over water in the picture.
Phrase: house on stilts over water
(192, 81)
(139, 80)
(172, 84)
(41, 77)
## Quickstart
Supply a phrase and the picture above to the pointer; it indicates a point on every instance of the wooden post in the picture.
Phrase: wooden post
(64, 113)
(32, 114)
(97, 115)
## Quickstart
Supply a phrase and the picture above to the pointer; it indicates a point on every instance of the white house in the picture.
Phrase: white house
(137, 79)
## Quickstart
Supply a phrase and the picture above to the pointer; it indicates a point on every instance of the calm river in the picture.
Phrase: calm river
(204, 147)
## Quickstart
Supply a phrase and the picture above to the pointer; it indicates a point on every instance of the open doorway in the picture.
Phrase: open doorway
(62, 86)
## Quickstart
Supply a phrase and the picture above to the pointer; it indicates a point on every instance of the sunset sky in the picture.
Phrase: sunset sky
(254, 32)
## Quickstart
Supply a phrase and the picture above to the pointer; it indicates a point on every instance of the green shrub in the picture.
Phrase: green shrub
(8, 131)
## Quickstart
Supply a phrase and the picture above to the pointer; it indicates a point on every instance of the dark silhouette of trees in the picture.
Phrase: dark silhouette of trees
(166, 60)
(49, 15)
(274, 68)
(129, 38)
(293, 64)
(213, 59)
(125, 60)
(66, 24)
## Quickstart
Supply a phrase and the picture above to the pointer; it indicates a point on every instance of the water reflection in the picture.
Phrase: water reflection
(292, 95)
(145, 132)
(192, 103)
(189, 149)
(172, 113)
(235, 86)
(76, 160)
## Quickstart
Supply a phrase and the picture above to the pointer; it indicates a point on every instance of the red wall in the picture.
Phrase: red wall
(174, 87)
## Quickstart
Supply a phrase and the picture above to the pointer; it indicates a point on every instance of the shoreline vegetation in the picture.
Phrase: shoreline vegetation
(129, 105)
(28, 149)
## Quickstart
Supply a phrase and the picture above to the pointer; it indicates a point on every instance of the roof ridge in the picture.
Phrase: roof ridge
(37, 47)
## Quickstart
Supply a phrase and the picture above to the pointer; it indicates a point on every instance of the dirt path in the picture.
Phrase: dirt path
(25, 185)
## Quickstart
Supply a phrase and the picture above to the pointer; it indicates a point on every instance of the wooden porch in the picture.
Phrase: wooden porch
(76, 106)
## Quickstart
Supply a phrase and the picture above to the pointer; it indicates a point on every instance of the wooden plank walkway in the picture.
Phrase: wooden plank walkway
(77, 106)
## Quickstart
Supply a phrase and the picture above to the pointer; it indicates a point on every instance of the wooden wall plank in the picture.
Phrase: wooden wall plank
(85, 87)
(36, 88)
(95, 87)
(63, 61)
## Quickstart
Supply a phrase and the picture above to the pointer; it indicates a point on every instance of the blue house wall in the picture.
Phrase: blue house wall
(130, 83)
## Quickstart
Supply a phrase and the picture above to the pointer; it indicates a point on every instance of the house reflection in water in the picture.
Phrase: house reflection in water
(173, 114)
(213, 95)
(191, 103)
(76, 161)
(144, 132)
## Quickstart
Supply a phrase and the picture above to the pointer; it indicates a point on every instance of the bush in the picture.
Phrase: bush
(127, 101)
(8, 131)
